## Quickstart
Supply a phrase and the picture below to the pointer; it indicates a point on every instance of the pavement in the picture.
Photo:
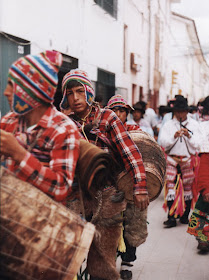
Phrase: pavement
(168, 253)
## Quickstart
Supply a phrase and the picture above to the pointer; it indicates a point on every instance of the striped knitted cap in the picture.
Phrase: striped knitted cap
(35, 80)
(81, 77)
(118, 101)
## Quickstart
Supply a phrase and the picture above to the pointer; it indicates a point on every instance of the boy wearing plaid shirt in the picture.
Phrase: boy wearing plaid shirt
(103, 128)
(39, 144)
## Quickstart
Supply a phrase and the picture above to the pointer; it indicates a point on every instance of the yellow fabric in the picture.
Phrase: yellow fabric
(75, 278)
(121, 243)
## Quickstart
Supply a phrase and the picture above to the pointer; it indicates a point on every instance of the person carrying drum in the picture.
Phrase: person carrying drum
(39, 144)
(103, 128)
(121, 108)
(181, 139)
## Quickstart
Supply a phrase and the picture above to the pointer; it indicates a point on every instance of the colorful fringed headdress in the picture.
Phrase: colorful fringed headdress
(35, 80)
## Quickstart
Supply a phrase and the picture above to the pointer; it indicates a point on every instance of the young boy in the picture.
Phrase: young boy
(120, 106)
(103, 128)
(38, 144)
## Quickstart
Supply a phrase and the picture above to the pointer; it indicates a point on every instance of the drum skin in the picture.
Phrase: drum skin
(40, 239)
(154, 163)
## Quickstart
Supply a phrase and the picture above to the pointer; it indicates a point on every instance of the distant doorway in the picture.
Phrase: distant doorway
(68, 64)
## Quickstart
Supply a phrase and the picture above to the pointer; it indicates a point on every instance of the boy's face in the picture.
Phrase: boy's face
(137, 115)
(121, 113)
(8, 92)
(77, 100)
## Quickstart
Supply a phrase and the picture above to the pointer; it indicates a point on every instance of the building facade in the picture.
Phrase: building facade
(188, 69)
(124, 45)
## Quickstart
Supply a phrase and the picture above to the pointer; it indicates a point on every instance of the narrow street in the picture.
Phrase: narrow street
(168, 254)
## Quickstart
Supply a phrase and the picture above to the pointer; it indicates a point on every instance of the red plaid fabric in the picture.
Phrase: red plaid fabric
(50, 166)
(130, 127)
(109, 126)
(187, 177)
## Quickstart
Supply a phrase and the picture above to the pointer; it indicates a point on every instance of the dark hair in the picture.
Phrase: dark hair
(205, 105)
(144, 104)
(163, 109)
(10, 83)
(155, 130)
(72, 84)
(193, 108)
(99, 98)
(139, 107)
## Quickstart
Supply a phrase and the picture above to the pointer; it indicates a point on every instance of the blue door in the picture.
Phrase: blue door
(11, 48)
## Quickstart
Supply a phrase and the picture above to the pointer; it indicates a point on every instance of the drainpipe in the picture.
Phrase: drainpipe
(149, 48)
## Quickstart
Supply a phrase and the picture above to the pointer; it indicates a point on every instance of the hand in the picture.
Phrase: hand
(10, 147)
(181, 132)
(186, 132)
(206, 197)
(178, 134)
(141, 201)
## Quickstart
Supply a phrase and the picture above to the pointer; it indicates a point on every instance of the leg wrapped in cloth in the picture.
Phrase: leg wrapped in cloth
(95, 172)
(101, 260)
(135, 225)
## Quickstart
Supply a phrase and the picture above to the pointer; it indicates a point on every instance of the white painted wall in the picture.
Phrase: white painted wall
(82, 29)
(77, 28)
(187, 60)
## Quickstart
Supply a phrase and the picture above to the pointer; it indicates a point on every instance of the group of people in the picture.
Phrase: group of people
(41, 145)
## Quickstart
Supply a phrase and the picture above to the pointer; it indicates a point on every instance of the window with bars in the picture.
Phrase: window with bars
(105, 85)
(110, 6)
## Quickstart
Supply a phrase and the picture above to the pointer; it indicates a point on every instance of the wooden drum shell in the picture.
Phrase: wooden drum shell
(154, 164)
(40, 239)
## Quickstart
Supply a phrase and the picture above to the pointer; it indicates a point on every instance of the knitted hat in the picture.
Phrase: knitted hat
(81, 77)
(118, 101)
(34, 80)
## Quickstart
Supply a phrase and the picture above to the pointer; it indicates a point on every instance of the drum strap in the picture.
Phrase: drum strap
(32, 145)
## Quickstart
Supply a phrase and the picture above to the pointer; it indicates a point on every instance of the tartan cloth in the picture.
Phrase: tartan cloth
(109, 127)
(130, 127)
(50, 166)
(187, 178)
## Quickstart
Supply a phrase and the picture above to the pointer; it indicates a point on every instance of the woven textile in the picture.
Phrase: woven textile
(199, 220)
(34, 80)
(126, 152)
(187, 178)
(81, 77)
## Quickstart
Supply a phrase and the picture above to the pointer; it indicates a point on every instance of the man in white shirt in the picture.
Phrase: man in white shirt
(181, 139)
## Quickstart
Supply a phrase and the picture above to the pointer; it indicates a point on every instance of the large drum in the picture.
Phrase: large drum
(40, 239)
(154, 163)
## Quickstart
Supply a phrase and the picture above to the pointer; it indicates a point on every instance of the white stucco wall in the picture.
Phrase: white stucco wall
(187, 60)
(82, 29)
(77, 28)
